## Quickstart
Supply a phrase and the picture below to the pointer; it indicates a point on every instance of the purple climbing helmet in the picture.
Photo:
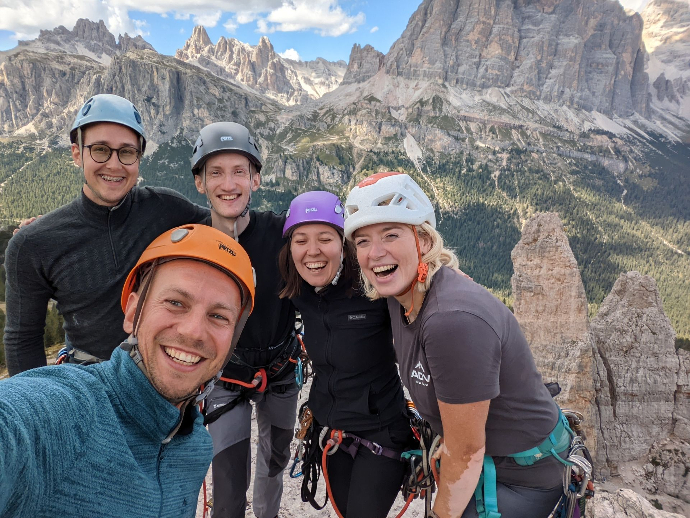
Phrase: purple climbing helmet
(315, 207)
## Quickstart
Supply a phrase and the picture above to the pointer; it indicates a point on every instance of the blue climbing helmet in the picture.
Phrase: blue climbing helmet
(108, 108)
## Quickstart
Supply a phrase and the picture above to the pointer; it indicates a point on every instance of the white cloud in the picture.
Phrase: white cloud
(326, 17)
(243, 18)
(374, 29)
(207, 19)
(290, 54)
(231, 25)
(26, 18)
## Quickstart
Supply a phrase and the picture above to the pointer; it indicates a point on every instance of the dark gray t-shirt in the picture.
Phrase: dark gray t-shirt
(466, 346)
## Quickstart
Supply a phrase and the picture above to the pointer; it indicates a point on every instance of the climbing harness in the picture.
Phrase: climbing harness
(567, 435)
(316, 444)
(70, 354)
(259, 378)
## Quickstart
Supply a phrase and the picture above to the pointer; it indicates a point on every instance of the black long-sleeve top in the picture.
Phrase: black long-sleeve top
(80, 255)
(348, 338)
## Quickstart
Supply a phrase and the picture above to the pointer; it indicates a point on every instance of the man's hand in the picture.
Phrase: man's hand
(26, 222)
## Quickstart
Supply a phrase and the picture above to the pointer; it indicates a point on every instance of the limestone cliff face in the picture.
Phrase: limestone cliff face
(636, 343)
(549, 302)
(364, 63)
(585, 53)
(667, 38)
(37, 88)
(261, 68)
(40, 92)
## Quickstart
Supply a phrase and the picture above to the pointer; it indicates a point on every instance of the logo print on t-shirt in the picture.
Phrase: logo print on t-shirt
(419, 375)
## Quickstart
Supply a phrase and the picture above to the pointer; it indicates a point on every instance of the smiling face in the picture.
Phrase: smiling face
(387, 256)
(186, 326)
(107, 183)
(228, 183)
(316, 250)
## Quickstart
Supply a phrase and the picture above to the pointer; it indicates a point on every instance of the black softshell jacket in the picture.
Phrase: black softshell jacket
(349, 341)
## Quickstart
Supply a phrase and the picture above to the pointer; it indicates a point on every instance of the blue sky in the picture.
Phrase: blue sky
(309, 28)
(297, 28)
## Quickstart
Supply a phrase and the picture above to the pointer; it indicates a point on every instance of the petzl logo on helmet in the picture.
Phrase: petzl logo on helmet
(225, 139)
(311, 209)
(226, 248)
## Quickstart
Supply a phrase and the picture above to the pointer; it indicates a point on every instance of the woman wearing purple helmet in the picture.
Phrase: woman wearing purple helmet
(356, 389)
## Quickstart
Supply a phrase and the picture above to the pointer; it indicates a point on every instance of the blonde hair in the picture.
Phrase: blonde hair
(436, 257)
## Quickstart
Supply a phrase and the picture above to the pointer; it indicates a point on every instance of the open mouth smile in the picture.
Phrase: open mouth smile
(384, 271)
(113, 179)
(181, 357)
(316, 266)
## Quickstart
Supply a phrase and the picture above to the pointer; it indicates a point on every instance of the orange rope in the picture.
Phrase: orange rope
(260, 379)
(301, 342)
(324, 460)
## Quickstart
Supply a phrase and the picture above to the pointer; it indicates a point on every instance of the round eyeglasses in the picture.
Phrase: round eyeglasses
(101, 153)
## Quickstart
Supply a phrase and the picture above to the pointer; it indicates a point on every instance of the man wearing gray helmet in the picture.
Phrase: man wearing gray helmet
(80, 253)
(226, 164)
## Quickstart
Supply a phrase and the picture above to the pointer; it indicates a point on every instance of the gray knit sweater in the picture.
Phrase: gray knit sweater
(80, 255)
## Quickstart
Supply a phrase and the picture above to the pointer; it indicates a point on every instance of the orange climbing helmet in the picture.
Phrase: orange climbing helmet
(205, 244)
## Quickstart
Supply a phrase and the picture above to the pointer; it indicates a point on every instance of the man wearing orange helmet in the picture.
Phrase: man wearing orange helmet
(124, 437)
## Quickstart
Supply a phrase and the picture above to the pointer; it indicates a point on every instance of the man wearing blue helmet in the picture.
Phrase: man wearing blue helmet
(80, 253)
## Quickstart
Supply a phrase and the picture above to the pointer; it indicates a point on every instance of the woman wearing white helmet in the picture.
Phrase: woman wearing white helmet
(463, 358)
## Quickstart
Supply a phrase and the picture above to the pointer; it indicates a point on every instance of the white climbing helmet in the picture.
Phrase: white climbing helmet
(387, 197)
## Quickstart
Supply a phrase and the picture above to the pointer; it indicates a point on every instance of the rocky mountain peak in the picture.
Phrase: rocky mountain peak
(92, 39)
(551, 306)
(261, 68)
(127, 43)
(584, 53)
(364, 63)
(91, 31)
(200, 38)
(636, 343)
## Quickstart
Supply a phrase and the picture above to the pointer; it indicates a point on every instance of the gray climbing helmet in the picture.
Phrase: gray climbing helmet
(221, 137)
(108, 108)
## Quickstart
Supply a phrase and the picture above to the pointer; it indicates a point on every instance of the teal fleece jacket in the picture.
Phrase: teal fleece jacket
(91, 441)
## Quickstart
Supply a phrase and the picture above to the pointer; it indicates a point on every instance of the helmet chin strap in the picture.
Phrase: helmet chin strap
(422, 272)
(336, 278)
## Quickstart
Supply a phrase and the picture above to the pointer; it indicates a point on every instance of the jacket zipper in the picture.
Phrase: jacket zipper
(324, 314)
(110, 236)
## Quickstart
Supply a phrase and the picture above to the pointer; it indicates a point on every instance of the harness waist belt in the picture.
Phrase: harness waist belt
(558, 441)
